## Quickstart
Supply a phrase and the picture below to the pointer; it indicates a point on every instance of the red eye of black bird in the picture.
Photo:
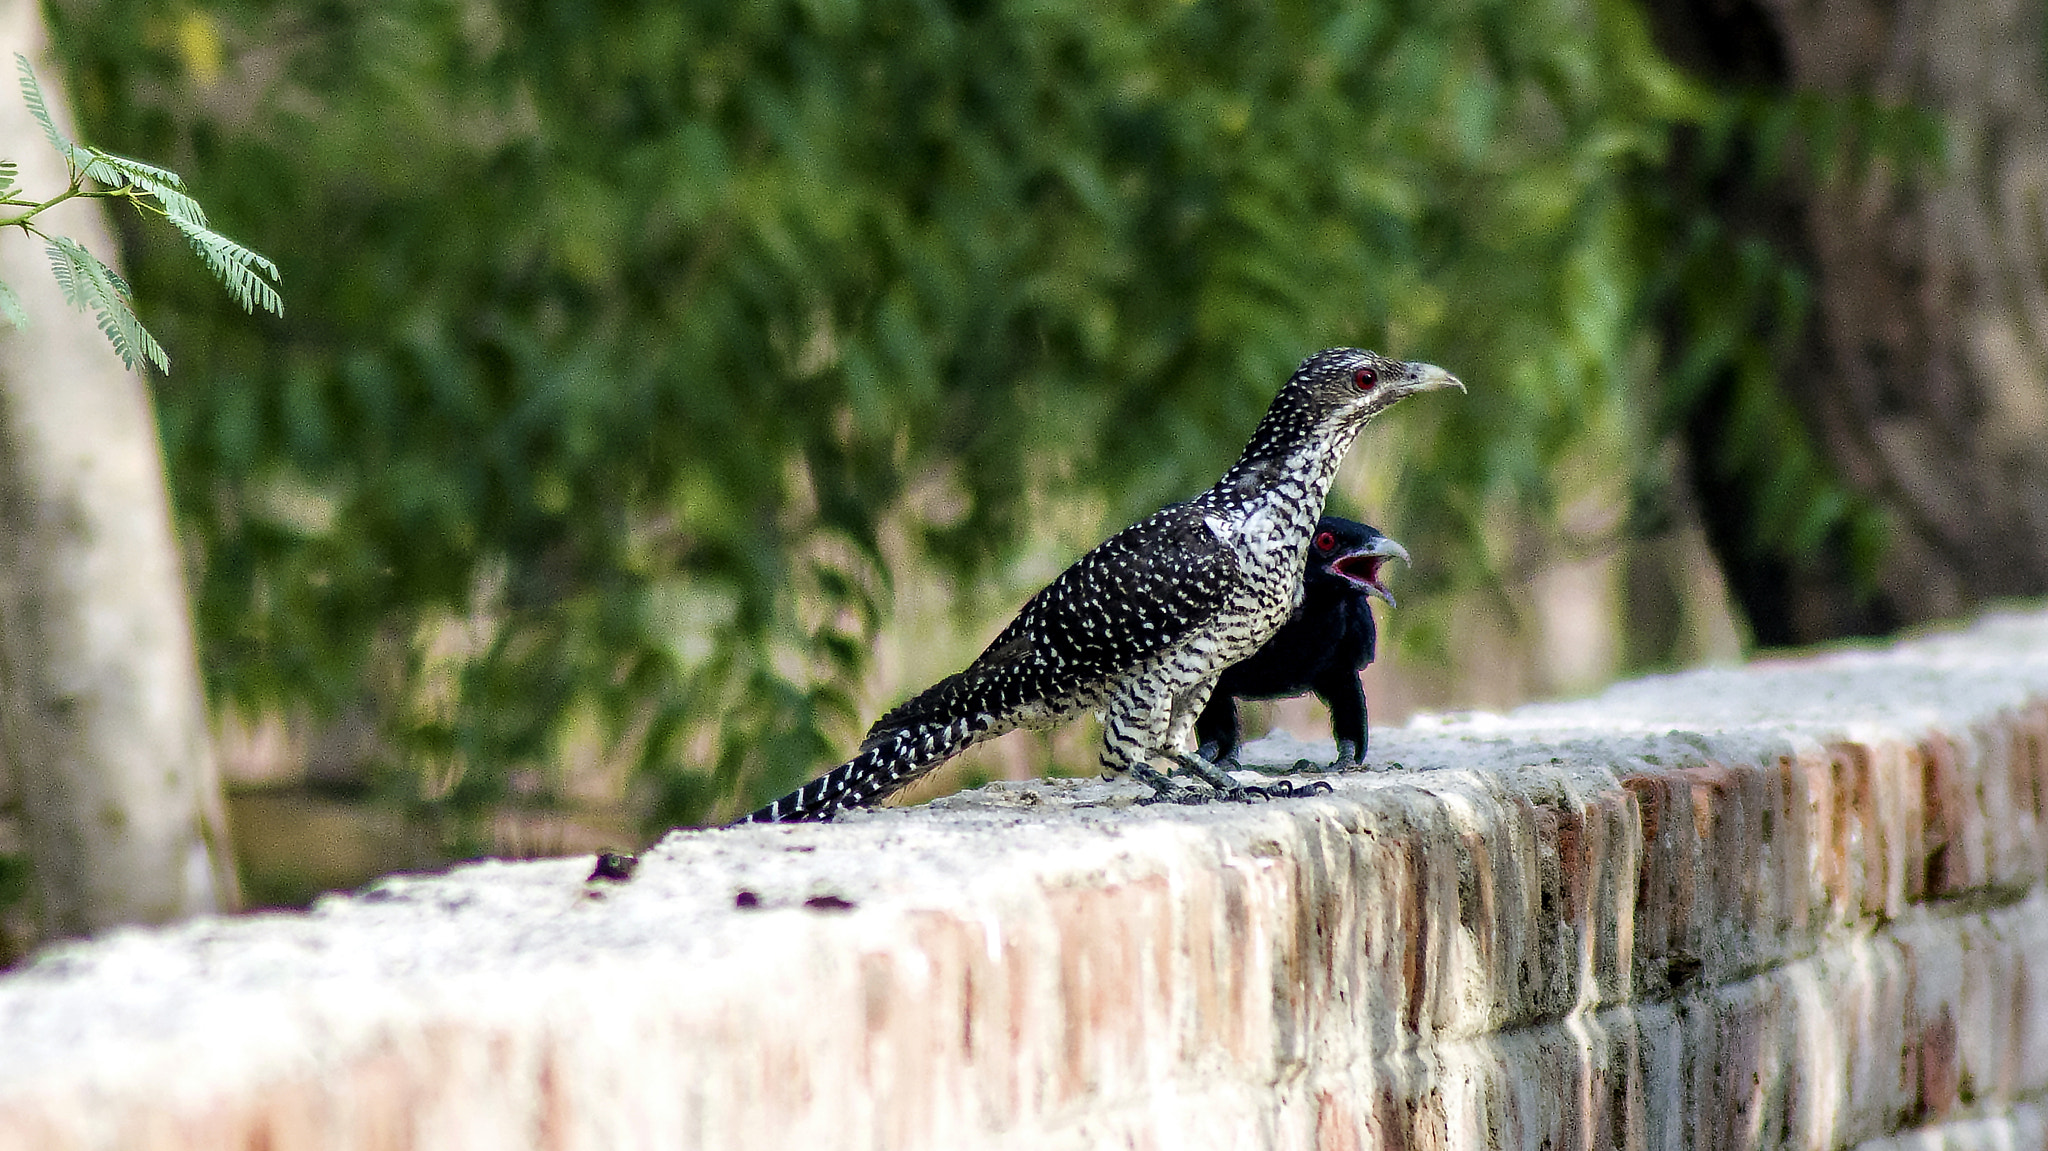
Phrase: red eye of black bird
(1325, 542)
(1365, 378)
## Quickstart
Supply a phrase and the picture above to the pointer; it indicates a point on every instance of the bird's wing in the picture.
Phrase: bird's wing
(1134, 596)
(1137, 594)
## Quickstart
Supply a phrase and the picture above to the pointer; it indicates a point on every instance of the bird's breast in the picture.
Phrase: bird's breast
(1272, 527)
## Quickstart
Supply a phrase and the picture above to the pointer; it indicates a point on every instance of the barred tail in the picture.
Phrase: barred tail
(888, 762)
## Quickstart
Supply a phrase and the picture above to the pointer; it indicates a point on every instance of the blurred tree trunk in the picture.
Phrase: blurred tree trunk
(101, 715)
(1924, 374)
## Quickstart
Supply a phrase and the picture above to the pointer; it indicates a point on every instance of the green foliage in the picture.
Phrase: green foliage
(242, 270)
(89, 284)
(11, 310)
(1733, 285)
(623, 331)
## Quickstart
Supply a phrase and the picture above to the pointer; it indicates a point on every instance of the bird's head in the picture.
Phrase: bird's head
(1351, 554)
(1324, 405)
(1356, 385)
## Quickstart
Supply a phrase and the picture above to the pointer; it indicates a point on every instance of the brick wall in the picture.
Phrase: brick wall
(1798, 904)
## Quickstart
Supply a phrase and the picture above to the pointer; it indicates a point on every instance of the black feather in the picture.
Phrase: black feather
(1321, 648)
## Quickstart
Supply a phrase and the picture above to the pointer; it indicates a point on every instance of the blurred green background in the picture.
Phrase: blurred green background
(666, 389)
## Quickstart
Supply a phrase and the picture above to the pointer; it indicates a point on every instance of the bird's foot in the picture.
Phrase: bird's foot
(1217, 777)
(1187, 797)
(1164, 790)
(1288, 789)
(1226, 764)
(1348, 758)
(1221, 786)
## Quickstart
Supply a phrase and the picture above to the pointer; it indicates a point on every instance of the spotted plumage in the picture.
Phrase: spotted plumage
(1139, 628)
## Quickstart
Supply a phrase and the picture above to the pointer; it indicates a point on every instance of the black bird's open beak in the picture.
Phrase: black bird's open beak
(1361, 568)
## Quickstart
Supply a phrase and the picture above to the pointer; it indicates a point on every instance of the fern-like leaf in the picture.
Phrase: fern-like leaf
(163, 184)
(149, 176)
(32, 95)
(91, 285)
(69, 280)
(81, 159)
(10, 308)
(10, 178)
(241, 269)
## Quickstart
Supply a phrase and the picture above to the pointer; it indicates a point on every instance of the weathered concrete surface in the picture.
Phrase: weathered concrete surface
(1788, 905)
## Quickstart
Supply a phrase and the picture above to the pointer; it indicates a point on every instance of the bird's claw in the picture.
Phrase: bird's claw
(1189, 797)
(1278, 789)
(1217, 776)
(1222, 787)
(1164, 790)
(1287, 789)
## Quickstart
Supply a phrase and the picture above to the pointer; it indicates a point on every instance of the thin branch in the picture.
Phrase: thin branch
(75, 192)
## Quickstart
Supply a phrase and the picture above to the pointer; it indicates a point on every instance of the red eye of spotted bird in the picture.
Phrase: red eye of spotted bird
(1325, 542)
(1365, 378)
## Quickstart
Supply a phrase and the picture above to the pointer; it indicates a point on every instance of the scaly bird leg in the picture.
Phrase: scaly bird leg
(1165, 790)
(1215, 777)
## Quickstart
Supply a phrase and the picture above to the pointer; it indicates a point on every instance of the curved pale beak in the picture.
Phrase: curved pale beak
(1429, 378)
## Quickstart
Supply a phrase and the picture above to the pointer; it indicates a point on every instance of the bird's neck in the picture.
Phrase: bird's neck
(1266, 506)
(1293, 461)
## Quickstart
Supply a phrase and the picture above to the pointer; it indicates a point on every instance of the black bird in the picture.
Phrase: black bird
(1321, 648)
(1140, 627)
